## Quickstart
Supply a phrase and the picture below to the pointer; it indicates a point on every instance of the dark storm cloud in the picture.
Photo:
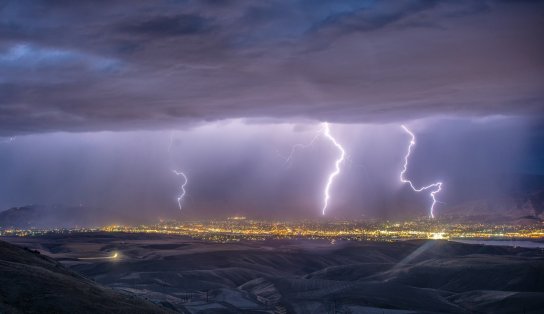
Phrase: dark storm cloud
(380, 15)
(178, 25)
(96, 65)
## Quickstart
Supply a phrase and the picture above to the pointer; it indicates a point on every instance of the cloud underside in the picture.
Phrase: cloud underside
(89, 66)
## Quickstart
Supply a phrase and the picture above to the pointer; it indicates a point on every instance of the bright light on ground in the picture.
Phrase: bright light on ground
(114, 256)
(438, 236)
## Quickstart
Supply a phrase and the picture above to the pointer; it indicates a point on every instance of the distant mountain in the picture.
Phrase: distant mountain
(498, 210)
(520, 199)
(38, 216)
(536, 201)
(33, 283)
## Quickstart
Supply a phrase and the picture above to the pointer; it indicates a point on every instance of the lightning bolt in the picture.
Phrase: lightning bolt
(326, 193)
(182, 195)
(324, 130)
(296, 147)
(171, 142)
(437, 187)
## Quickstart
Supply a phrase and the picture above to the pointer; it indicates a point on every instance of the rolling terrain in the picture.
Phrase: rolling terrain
(304, 276)
(33, 283)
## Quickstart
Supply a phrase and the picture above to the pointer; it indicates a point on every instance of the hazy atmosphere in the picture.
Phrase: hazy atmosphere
(99, 104)
(237, 168)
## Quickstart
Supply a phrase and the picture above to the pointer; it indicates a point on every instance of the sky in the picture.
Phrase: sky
(103, 99)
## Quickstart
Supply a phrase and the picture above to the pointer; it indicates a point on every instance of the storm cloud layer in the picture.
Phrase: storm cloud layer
(101, 100)
(127, 65)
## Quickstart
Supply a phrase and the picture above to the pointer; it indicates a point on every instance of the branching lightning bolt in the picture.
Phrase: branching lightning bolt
(327, 133)
(296, 147)
(182, 195)
(437, 187)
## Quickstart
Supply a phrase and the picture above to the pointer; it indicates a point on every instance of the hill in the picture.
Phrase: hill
(33, 283)
(308, 276)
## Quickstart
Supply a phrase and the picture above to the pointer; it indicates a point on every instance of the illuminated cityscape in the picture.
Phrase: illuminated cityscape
(241, 228)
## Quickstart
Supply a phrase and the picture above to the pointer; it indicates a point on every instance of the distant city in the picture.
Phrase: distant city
(241, 228)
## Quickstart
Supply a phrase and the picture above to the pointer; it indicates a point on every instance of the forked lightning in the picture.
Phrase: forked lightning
(437, 187)
(182, 195)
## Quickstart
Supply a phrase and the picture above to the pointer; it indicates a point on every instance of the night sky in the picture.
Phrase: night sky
(101, 100)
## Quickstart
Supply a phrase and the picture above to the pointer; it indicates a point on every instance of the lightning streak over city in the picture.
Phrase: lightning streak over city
(327, 133)
(296, 147)
(182, 195)
(437, 186)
